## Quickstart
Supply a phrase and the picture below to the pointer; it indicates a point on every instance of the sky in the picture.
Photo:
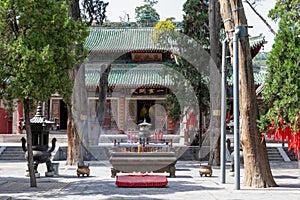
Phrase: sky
(173, 8)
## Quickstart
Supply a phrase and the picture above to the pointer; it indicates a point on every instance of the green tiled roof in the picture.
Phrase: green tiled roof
(131, 77)
(120, 39)
(103, 39)
(259, 78)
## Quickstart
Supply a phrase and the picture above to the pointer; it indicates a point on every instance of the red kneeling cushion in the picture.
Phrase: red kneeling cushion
(141, 180)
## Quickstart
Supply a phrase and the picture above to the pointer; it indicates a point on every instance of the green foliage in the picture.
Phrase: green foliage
(187, 74)
(94, 11)
(151, 2)
(146, 13)
(176, 102)
(195, 25)
(282, 89)
(39, 44)
(195, 21)
(196, 80)
(172, 106)
(168, 25)
(164, 32)
(286, 11)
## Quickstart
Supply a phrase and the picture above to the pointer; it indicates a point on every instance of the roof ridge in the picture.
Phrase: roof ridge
(105, 27)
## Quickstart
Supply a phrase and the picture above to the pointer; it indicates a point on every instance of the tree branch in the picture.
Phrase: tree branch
(266, 23)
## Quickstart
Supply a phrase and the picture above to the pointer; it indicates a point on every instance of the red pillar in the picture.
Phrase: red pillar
(5, 121)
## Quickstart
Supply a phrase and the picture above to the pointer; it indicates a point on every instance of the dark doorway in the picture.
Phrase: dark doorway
(144, 111)
(63, 115)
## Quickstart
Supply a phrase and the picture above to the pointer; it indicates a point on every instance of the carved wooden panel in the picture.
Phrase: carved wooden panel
(146, 57)
(121, 114)
(107, 115)
(114, 114)
(131, 114)
(93, 103)
(55, 109)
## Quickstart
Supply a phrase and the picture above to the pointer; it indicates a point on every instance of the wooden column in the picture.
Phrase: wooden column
(121, 116)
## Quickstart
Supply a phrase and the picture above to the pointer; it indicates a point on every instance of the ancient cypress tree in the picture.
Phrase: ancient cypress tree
(257, 167)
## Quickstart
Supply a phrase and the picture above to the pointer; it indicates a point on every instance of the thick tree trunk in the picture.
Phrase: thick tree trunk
(77, 126)
(73, 140)
(74, 10)
(257, 168)
(77, 129)
(26, 103)
(215, 82)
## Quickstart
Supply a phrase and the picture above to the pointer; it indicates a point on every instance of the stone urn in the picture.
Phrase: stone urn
(144, 132)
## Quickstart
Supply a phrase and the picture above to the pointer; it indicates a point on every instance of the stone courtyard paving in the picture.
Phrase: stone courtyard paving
(187, 185)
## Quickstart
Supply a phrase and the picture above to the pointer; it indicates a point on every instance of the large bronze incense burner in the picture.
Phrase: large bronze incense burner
(40, 137)
(143, 153)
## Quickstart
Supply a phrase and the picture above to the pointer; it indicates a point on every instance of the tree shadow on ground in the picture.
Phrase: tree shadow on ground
(107, 187)
(285, 177)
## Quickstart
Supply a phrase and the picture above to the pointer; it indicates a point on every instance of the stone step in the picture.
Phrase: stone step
(12, 158)
(274, 155)
(12, 153)
(95, 153)
(11, 138)
(61, 137)
(272, 151)
(15, 150)
(191, 154)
